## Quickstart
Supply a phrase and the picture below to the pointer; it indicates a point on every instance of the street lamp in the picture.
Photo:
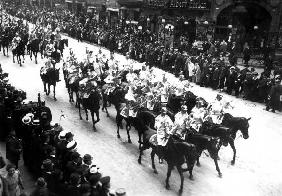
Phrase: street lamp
(140, 28)
(163, 20)
(255, 27)
(127, 22)
(148, 19)
(229, 26)
(206, 23)
(186, 22)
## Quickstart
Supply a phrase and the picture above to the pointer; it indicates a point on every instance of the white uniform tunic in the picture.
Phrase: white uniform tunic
(198, 116)
(163, 124)
(216, 111)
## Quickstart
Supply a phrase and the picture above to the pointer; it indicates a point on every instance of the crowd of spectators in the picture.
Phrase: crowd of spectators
(206, 62)
(48, 151)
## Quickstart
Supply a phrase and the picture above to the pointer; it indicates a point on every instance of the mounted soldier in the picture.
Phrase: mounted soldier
(182, 122)
(163, 124)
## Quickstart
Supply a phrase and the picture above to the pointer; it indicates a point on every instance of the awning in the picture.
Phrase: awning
(80, 2)
(69, 1)
(113, 9)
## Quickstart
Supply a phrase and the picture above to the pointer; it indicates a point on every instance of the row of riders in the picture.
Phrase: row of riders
(170, 119)
(16, 33)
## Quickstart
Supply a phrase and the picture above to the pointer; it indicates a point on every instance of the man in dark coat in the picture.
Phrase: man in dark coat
(13, 148)
(275, 96)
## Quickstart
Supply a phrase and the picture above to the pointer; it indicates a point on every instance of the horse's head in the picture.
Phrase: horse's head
(244, 127)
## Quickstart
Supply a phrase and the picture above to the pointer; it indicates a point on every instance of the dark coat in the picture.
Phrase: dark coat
(276, 97)
(13, 148)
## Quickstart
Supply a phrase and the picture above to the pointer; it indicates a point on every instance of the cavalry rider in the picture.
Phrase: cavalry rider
(16, 40)
(182, 122)
(197, 115)
(216, 109)
(163, 124)
(49, 48)
(57, 37)
(131, 76)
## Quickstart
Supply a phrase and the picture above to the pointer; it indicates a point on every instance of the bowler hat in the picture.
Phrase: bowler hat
(105, 180)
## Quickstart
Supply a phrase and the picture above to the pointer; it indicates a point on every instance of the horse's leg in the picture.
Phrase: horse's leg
(13, 58)
(93, 121)
(218, 148)
(217, 167)
(140, 154)
(54, 92)
(35, 56)
(23, 58)
(7, 51)
(140, 138)
(45, 90)
(86, 112)
(30, 55)
(180, 171)
(97, 115)
(153, 160)
(231, 142)
(198, 158)
(169, 168)
(78, 105)
(128, 127)
(48, 90)
(118, 121)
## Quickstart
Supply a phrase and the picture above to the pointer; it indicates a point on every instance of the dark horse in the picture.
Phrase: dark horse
(227, 131)
(50, 78)
(61, 45)
(92, 103)
(204, 142)
(34, 48)
(176, 153)
(42, 47)
(19, 51)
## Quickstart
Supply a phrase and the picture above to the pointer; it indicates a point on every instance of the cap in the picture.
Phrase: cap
(105, 180)
(41, 182)
(87, 157)
(69, 135)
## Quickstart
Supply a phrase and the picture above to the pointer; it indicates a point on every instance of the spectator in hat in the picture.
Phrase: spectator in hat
(72, 165)
(94, 181)
(85, 167)
(74, 183)
(13, 148)
(85, 190)
(106, 185)
(14, 180)
(275, 96)
(40, 188)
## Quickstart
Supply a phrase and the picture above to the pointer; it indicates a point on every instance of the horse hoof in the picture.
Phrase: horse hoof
(220, 175)
(80, 118)
(129, 141)
(55, 99)
(232, 162)
(167, 186)
(108, 115)
(198, 164)
(155, 171)
(180, 191)
(191, 177)
(94, 128)
(139, 161)
(118, 136)
(97, 120)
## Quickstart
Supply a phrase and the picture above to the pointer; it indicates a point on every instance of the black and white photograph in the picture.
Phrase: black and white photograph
(140, 97)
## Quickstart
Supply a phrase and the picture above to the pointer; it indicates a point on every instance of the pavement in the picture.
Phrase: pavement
(257, 171)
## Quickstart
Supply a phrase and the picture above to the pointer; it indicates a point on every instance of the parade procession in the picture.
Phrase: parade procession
(131, 101)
